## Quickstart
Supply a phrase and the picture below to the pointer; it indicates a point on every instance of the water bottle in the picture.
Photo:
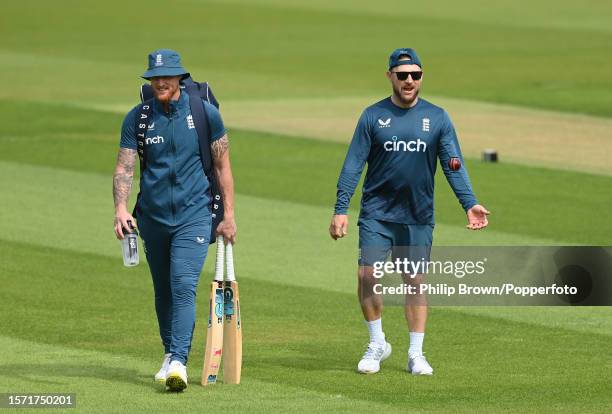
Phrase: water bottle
(129, 246)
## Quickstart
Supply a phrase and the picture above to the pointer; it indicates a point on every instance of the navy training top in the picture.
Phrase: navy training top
(401, 147)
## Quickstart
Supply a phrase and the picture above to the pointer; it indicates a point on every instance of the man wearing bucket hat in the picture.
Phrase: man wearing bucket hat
(401, 138)
(173, 210)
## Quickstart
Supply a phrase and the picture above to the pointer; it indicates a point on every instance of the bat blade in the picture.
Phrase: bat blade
(232, 335)
(214, 335)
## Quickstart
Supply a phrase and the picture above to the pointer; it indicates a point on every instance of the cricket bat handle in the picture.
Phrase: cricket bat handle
(220, 259)
(231, 276)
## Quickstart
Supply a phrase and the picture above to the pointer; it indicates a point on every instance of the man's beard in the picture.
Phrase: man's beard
(165, 95)
(397, 91)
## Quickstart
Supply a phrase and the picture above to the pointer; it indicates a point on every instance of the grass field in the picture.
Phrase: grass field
(292, 78)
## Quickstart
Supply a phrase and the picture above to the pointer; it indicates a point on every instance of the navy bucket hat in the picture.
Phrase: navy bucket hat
(164, 62)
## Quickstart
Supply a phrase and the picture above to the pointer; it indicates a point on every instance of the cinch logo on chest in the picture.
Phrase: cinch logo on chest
(410, 146)
(154, 140)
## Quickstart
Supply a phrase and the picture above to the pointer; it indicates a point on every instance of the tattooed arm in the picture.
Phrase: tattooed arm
(223, 171)
(122, 185)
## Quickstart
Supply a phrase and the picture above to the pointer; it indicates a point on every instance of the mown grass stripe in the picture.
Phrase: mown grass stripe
(542, 13)
(262, 236)
(310, 64)
(520, 135)
(126, 381)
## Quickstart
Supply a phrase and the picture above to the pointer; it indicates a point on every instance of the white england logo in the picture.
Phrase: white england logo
(158, 60)
(190, 123)
(384, 124)
(426, 124)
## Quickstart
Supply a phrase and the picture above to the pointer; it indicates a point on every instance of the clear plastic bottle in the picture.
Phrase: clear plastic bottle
(129, 245)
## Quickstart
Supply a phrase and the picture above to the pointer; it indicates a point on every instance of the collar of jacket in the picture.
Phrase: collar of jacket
(175, 106)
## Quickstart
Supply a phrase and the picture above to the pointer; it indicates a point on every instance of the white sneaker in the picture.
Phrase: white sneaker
(418, 365)
(176, 378)
(161, 374)
(373, 356)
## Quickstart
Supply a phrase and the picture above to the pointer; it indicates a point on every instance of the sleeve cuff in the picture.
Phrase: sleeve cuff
(219, 135)
(469, 205)
(128, 146)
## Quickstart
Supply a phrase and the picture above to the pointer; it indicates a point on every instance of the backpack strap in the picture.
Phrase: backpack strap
(146, 92)
(200, 119)
(140, 128)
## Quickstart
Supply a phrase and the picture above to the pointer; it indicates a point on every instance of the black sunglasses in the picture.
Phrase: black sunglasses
(404, 75)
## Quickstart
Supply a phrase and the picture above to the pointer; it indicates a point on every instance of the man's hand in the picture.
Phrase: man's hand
(227, 229)
(477, 217)
(339, 226)
(121, 222)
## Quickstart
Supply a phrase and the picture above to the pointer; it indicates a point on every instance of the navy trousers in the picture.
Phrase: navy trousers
(176, 256)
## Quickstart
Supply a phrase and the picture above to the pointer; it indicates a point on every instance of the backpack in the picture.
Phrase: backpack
(197, 92)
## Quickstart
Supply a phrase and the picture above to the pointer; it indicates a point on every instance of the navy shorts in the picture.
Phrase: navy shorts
(379, 240)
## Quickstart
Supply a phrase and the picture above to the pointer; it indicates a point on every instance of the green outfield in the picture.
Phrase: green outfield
(292, 78)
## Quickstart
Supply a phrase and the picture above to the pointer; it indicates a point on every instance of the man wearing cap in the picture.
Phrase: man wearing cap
(400, 137)
(173, 210)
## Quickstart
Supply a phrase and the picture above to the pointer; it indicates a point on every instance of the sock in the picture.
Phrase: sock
(416, 344)
(376, 333)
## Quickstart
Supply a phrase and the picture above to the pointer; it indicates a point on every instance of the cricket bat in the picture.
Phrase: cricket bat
(214, 333)
(232, 335)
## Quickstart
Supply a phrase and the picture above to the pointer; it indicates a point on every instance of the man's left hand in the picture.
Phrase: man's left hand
(477, 217)
(227, 229)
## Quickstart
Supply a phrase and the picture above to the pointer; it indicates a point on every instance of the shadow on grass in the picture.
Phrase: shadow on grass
(67, 373)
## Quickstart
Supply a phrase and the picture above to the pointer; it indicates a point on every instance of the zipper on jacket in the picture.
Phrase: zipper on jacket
(173, 171)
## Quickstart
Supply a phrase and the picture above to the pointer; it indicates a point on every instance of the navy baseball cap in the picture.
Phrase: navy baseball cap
(164, 62)
(394, 59)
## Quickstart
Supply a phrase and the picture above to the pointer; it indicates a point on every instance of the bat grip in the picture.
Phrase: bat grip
(230, 262)
(220, 259)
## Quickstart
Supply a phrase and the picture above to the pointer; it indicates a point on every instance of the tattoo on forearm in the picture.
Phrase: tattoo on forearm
(219, 147)
(124, 174)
